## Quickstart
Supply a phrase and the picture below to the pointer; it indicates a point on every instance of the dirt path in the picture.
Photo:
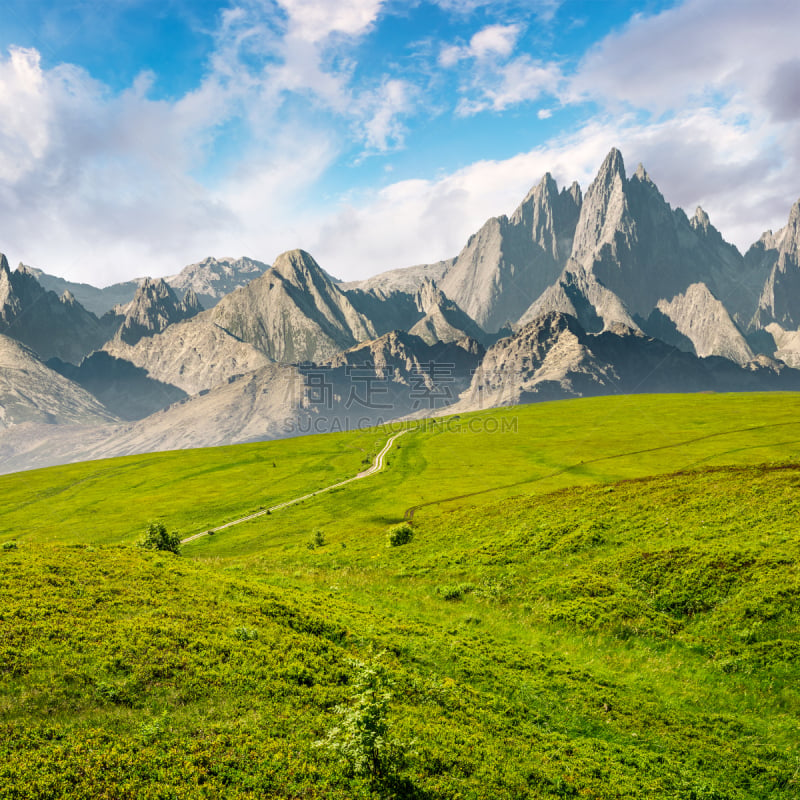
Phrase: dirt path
(377, 466)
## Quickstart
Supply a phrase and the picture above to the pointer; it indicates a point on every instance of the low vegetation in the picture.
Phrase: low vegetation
(626, 639)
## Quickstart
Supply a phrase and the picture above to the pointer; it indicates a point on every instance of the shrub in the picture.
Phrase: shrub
(10, 546)
(317, 540)
(399, 535)
(362, 741)
(455, 592)
(157, 538)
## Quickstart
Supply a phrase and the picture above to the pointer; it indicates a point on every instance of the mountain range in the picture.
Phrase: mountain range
(575, 293)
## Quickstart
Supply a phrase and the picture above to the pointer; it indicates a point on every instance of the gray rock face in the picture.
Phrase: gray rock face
(420, 376)
(509, 262)
(98, 301)
(213, 278)
(31, 392)
(406, 279)
(780, 253)
(293, 313)
(154, 307)
(738, 280)
(580, 294)
(639, 248)
(210, 280)
(697, 322)
(126, 390)
(443, 320)
(387, 310)
(553, 357)
(193, 355)
(786, 346)
(52, 326)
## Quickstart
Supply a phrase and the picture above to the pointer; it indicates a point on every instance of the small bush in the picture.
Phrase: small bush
(246, 634)
(454, 592)
(10, 546)
(362, 741)
(157, 538)
(317, 540)
(399, 535)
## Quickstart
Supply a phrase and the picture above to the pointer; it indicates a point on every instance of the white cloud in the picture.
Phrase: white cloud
(107, 176)
(493, 41)
(692, 51)
(382, 110)
(24, 110)
(493, 80)
(314, 21)
(520, 80)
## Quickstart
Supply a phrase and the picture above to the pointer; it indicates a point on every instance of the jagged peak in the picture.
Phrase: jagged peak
(297, 266)
(550, 322)
(641, 173)
(794, 217)
(67, 298)
(294, 258)
(4, 263)
(612, 166)
(574, 191)
(548, 182)
(191, 302)
(158, 284)
(546, 187)
(23, 269)
(428, 297)
(700, 218)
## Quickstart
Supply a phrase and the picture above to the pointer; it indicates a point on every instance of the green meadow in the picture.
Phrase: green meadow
(600, 598)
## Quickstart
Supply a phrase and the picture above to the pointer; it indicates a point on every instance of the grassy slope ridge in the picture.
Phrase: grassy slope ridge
(535, 448)
(635, 639)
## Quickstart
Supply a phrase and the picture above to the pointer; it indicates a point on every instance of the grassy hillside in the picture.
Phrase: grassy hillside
(528, 449)
(582, 630)
(639, 640)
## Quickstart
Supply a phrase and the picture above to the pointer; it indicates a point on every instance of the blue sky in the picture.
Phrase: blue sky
(138, 136)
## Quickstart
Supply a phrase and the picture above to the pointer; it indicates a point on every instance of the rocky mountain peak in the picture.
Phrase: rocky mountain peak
(791, 239)
(191, 302)
(700, 219)
(154, 307)
(67, 298)
(604, 213)
(299, 268)
(701, 224)
(575, 193)
(4, 263)
(213, 278)
(612, 168)
(429, 297)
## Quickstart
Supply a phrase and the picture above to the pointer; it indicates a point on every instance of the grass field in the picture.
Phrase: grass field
(520, 450)
(608, 613)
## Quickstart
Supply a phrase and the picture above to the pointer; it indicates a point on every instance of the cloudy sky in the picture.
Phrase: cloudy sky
(137, 136)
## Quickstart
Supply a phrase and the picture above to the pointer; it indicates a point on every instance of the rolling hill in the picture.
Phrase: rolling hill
(591, 604)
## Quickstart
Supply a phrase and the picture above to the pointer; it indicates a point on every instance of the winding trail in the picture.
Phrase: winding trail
(377, 466)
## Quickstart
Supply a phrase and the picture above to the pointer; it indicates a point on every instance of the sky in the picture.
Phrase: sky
(138, 136)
